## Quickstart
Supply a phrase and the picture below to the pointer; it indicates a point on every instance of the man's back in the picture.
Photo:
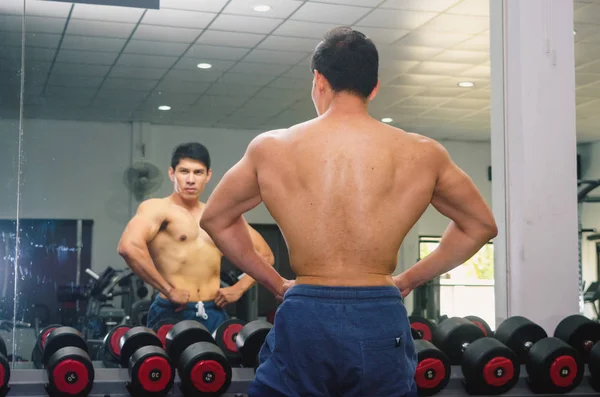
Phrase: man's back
(345, 194)
(345, 190)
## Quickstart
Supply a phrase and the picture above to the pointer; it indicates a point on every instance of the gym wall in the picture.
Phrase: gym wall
(91, 157)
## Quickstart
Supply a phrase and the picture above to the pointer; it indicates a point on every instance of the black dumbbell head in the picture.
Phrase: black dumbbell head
(135, 339)
(554, 367)
(163, 327)
(580, 332)
(184, 334)
(594, 366)
(150, 371)
(422, 326)
(4, 371)
(204, 370)
(519, 334)
(250, 339)
(225, 336)
(60, 338)
(482, 324)
(433, 368)
(112, 341)
(70, 372)
(453, 335)
(43, 335)
(489, 367)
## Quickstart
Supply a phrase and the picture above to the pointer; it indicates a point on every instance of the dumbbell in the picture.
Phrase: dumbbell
(4, 369)
(433, 368)
(225, 336)
(422, 327)
(594, 366)
(552, 365)
(38, 348)
(150, 369)
(163, 327)
(488, 366)
(202, 366)
(583, 334)
(579, 332)
(111, 349)
(64, 355)
(482, 324)
(250, 340)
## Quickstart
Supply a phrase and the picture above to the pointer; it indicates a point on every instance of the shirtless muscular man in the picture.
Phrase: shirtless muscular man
(165, 246)
(345, 189)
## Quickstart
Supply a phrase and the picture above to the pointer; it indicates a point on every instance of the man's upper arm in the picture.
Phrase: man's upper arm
(144, 226)
(237, 192)
(456, 196)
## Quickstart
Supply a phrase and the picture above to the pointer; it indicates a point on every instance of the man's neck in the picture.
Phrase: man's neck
(187, 204)
(347, 104)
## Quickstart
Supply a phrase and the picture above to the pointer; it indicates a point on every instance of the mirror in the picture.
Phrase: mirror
(110, 91)
(11, 73)
(587, 80)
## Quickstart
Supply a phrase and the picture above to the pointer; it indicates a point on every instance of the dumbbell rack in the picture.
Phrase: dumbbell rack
(110, 382)
(456, 388)
(27, 381)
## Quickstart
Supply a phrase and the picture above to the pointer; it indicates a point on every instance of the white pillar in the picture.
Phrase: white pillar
(534, 182)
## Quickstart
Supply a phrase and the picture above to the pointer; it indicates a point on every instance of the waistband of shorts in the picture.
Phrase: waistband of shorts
(349, 294)
(159, 300)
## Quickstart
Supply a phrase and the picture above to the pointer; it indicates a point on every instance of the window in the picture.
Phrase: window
(467, 289)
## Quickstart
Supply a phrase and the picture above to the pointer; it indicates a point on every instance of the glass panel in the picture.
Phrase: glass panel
(110, 91)
(11, 33)
(586, 36)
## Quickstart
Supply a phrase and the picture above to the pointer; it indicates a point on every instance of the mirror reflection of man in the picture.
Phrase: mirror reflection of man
(165, 246)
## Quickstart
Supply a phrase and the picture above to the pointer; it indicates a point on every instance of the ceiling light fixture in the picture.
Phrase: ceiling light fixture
(387, 120)
(262, 8)
(204, 66)
(164, 107)
(466, 84)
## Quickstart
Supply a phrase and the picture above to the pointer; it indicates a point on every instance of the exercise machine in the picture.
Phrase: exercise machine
(99, 296)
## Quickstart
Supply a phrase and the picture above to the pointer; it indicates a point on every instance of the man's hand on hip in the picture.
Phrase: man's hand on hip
(285, 286)
(229, 295)
(403, 284)
(179, 297)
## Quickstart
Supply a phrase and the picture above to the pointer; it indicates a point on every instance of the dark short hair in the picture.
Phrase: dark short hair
(348, 60)
(192, 150)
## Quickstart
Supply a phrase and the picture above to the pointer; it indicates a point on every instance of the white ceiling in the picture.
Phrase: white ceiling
(105, 63)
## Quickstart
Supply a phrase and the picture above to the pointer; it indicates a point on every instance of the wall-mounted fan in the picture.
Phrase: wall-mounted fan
(142, 178)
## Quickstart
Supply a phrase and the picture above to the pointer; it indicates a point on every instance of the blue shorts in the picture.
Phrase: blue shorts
(205, 312)
(338, 341)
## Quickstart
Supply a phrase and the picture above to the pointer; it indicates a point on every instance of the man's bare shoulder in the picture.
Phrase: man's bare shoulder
(266, 141)
(153, 207)
(427, 146)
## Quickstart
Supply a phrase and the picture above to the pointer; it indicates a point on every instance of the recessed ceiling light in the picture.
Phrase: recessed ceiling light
(574, 32)
(164, 107)
(262, 8)
(466, 84)
(204, 66)
(387, 120)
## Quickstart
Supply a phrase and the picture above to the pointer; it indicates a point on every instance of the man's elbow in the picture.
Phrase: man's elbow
(125, 249)
(490, 230)
(270, 258)
(207, 224)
